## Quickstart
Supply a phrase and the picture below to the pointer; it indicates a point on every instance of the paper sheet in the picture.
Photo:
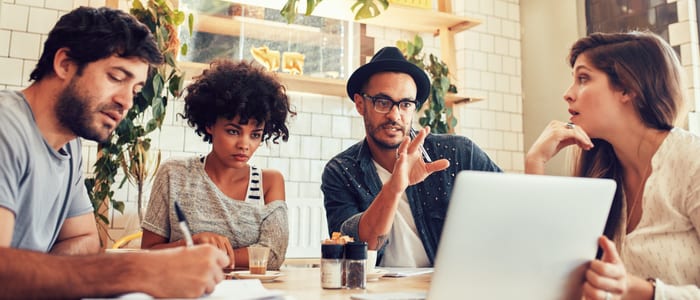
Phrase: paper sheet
(405, 272)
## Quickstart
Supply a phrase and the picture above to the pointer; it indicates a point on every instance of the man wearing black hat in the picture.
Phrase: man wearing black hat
(383, 190)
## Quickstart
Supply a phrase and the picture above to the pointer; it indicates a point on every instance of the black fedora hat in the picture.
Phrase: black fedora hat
(389, 59)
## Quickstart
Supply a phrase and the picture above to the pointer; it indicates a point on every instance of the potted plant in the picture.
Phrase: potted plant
(130, 145)
(437, 115)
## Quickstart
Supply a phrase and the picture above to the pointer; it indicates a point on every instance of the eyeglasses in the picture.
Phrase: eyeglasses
(384, 104)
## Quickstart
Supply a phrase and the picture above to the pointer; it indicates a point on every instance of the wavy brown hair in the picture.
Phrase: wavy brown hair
(645, 65)
(229, 89)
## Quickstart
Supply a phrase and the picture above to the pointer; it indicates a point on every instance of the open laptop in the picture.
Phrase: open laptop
(515, 236)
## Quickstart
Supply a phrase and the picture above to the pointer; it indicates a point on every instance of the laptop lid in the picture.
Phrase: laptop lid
(516, 236)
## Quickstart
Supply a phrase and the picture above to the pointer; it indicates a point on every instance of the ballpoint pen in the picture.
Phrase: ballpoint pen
(412, 133)
(183, 225)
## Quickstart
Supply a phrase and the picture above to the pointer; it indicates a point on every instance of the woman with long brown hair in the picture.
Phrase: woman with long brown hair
(626, 96)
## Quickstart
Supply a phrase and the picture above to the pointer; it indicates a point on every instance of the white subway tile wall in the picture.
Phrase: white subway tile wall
(11, 74)
(41, 20)
(4, 42)
(488, 67)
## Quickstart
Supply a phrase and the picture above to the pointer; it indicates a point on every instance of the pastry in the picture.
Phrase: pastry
(266, 57)
(293, 62)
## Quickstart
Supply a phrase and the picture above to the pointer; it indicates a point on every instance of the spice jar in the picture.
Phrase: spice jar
(331, 266)
(355, 260)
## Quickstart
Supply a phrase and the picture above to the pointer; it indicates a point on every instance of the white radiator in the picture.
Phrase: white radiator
(307, 227)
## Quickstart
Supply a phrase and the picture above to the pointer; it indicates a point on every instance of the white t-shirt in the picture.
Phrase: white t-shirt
(404, 248)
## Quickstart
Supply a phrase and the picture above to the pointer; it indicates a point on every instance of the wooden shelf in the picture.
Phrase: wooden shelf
(460, 99)
(420, 20)
(396, 16)
(296, 83)
(265, 30)
(314, 85)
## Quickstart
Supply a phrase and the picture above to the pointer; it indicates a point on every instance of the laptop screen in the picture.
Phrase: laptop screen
(516, 236)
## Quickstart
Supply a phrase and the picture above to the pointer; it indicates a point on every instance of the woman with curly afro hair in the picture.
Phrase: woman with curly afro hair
(234, 106)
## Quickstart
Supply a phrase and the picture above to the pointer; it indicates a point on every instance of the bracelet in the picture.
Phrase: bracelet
(652, 280)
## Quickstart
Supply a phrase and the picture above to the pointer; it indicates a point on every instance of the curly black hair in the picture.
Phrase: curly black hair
(229, 89)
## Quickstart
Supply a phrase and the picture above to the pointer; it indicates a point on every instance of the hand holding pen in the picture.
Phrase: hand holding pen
(418, 165)
(182, 221)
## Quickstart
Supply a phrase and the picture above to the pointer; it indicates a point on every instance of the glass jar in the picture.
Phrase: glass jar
(331, 266)
(355, 261)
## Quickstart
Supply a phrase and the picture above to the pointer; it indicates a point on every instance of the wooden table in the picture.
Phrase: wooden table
(305, 284)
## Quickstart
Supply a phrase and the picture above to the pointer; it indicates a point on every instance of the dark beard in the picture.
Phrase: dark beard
(73, 112)
(381, 144)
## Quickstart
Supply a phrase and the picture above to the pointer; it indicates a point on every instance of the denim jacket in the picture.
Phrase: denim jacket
(350, 183)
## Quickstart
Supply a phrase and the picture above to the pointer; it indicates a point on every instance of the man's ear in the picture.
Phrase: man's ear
(359, 104)
(63, 64)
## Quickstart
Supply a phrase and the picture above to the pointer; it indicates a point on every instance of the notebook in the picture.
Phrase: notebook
(516, 236)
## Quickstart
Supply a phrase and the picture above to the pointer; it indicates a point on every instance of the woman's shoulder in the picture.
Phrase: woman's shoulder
(179, 164)
(273, 185)
(681, 141)
(271, 174)
(679, 150)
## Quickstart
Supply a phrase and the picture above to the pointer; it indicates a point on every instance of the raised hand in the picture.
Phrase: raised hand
(556, 136)
(410, 168)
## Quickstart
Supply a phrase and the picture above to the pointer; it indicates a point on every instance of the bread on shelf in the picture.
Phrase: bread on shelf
(270, 59)
(293, 62)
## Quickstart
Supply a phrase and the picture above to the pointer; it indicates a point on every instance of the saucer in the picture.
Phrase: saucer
(269, 275)
(375, 274)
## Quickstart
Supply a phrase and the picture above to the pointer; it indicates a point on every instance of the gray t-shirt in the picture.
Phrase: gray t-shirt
(207, 209)
(41, 186)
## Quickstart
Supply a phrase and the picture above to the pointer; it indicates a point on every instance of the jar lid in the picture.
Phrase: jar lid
(356, 250)
(331, 251)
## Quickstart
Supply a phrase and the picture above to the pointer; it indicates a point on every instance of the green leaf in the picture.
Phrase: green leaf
(118, 205)
(152, 125)
(157, 85)
(452, 89)
(418, 43)
(190, 24)
(289, 11)
(310, 6)
(183, 49)
(137, 5)
(175, 85)
(179, 18)
(103, 219)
